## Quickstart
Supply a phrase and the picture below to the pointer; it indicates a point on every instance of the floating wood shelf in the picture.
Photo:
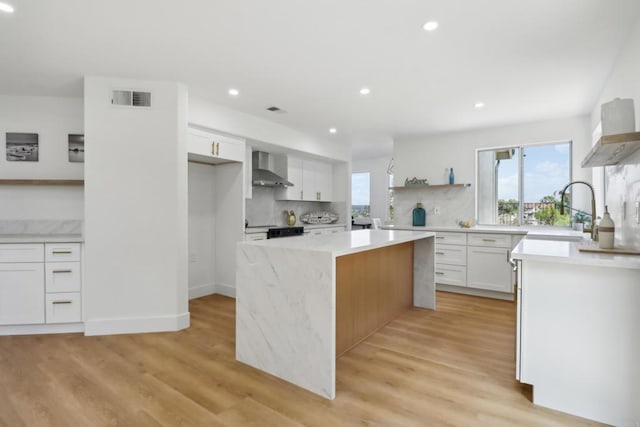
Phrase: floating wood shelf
(612, 149)
(426, 187)
(41, 182)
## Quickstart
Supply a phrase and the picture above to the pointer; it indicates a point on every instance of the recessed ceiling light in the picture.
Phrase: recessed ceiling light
(365, 91)
(333, 130)
(4, 7)
(234, 92)
(430, 26)
(479, 104)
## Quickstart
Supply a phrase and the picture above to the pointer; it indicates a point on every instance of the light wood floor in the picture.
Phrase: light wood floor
(453, 366)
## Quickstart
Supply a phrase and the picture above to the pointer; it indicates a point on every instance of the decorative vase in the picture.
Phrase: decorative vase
(419, 216)
(452, 177)
(606, 230)
(291, 219)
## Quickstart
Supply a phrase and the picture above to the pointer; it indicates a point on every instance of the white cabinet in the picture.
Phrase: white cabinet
(21, 284)
(255, 236)
(207, 147)
(313, 181)
(488, 262)
(40, 283)
(451, 258)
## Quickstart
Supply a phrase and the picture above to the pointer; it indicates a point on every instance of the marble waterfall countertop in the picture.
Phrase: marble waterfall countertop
(41, 238)
(569, 253)
(344, 243)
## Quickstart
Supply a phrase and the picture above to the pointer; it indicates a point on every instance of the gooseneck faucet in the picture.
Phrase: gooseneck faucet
(593, 205)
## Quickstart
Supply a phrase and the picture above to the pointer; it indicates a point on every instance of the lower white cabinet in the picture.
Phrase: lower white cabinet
(40, 283)
(488, 268)
(21, 293)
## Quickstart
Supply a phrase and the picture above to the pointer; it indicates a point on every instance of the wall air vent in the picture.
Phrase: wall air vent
(275, 109)
(131, 98)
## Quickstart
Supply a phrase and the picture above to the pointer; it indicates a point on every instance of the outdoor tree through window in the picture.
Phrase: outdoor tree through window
(520, 185)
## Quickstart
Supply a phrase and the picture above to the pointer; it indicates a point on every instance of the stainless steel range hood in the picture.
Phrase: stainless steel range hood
(263, 175)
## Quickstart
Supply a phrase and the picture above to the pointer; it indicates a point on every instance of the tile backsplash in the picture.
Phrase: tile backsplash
(71, 226)
(454, 204)
(263, 209)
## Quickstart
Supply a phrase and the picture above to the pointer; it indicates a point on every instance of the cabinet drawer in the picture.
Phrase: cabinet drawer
(22, 252)
(255, 236)
(451, 238)
(63, 307)
(492, 240)
(451, 275)
(55, 252)
(451, 254)
(62, 277)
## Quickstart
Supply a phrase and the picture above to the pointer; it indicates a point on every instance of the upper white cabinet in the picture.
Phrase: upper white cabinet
(312, 179)
(208, 147)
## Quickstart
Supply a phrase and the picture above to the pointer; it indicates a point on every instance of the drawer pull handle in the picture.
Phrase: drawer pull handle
(57, 252)
(439, 237)
(488, 240)
(67, 301)
(439, 273)
(439, 253)
(63, 271)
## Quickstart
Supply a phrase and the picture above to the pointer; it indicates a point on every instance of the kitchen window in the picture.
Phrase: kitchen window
(360, 194)
(520, 185)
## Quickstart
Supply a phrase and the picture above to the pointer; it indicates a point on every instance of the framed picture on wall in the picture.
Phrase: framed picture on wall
(76, 148)
(22, 147)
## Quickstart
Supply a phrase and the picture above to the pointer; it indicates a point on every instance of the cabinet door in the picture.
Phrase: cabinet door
(489, 268)
(324, 181)
(207, 147)
(294, 175)
(21, 293)
(309, 188)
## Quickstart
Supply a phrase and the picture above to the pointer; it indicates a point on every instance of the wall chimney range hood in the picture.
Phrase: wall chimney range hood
(263, 174)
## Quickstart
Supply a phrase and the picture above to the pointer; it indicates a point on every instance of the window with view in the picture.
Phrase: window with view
(520, 185)
(360, 200)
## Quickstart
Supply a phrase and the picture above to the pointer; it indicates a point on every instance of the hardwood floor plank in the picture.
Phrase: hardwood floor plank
(452, 366)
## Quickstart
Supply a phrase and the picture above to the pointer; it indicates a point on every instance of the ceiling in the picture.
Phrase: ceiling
(525, 60)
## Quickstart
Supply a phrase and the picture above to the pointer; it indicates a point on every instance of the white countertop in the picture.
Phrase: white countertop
(41, 238)
(344, 243)
(569, 253)
(558, 233)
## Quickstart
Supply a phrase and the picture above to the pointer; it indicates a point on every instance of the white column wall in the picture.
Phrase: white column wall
(136, 271)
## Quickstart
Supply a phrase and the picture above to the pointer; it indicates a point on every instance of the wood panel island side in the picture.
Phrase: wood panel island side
(301, 302)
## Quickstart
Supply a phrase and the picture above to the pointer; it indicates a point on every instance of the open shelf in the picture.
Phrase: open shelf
(41, 182)
(612, 149)
(425, 187)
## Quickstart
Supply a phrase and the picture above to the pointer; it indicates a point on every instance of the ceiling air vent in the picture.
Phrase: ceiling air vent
(131, 98)
(275, 109)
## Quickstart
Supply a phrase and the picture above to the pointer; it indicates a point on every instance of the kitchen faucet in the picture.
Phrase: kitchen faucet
(593, 206)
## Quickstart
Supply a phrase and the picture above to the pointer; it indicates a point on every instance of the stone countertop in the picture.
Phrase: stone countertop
(344, 243)
(569, 253)
(550, 233)
(41, 238)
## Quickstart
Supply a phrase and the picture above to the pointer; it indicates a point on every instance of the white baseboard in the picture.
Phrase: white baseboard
(136, 325)
(58, 328)
(218, 288)
(226, 290)
(202, 290)
(507, 296)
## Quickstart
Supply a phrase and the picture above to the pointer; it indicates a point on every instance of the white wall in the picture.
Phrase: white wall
(427, 157)
(52, 119)
(136, 270)
(623, 181)
(202, 202)
(379, 184)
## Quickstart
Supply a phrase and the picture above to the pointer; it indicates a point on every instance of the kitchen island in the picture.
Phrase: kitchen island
(303, 301)
(578, 338)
